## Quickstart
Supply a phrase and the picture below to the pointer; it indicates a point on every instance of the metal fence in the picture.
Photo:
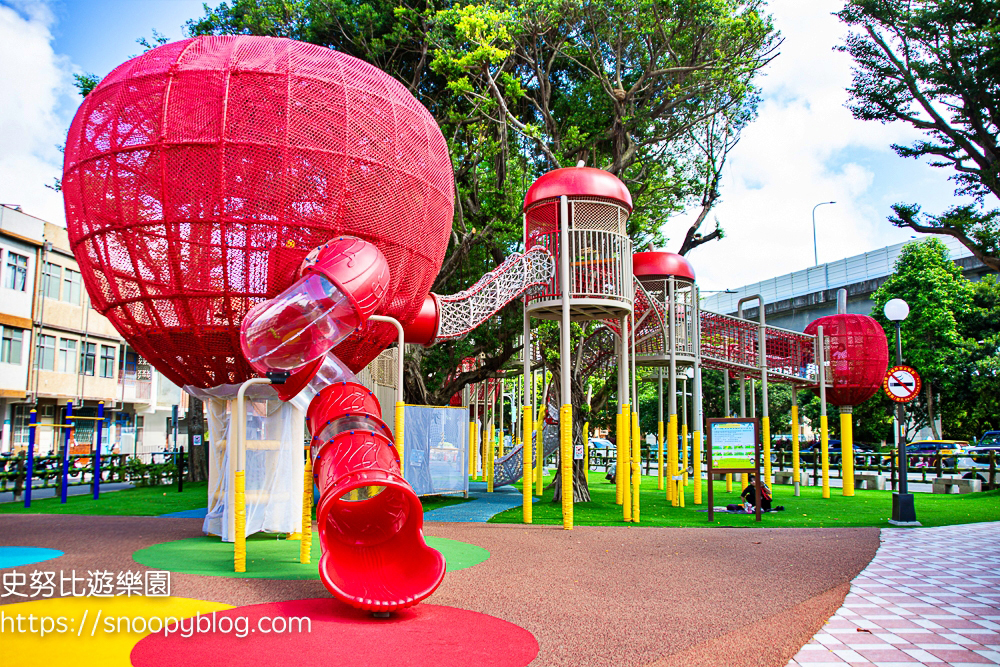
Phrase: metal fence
(146, 469)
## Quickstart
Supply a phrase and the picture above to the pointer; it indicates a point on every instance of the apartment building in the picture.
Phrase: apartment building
(56, 349)
(21, 239)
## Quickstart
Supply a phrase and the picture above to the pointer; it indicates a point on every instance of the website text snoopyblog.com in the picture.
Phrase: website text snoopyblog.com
(238, 626)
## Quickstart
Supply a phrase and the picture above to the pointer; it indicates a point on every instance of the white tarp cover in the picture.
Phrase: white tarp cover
(274, 467)
(436, 449)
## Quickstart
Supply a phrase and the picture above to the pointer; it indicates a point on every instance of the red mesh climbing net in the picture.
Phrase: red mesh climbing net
(857, 356)
(198, 175)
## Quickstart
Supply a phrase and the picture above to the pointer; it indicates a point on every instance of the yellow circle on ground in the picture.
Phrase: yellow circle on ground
(87, 631)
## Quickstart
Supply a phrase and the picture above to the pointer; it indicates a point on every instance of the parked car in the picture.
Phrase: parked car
(989, 438)
(976, 460)
(990, 442)
(928, 450)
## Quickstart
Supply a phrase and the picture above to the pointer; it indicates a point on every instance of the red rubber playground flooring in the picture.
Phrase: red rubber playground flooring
(661, 597)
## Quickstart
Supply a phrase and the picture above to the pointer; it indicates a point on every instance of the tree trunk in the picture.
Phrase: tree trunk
(581, 490)
(198, 454)
(930, 413)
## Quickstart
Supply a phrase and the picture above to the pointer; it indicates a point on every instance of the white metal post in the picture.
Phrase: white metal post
(239, 478)
(528, 420)
(565, 361)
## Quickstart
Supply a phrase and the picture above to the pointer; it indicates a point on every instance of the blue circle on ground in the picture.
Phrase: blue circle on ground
(18, 556)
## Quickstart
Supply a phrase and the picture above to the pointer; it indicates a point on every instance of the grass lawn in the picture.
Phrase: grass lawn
(866, 508)
(153, 501)
(140, 501)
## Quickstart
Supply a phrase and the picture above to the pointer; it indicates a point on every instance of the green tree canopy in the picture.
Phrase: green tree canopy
(936, 66)
(940, 297)
(655, 92)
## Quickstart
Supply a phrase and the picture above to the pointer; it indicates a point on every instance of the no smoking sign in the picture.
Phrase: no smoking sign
(902, 384)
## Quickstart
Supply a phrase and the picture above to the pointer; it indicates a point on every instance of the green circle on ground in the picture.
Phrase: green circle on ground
(272, 557)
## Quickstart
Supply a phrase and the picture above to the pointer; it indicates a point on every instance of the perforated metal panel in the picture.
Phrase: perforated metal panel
(199, 175)
(606, 216)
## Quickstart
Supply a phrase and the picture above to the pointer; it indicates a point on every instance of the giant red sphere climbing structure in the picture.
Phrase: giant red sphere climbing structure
(858, 357)
(200, 174)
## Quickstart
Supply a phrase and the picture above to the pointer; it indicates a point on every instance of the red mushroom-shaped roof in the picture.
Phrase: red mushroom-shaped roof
(577, 181)
(661, 264)
(859, 357)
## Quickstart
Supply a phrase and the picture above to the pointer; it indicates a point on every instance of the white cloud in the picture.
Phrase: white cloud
(805, 148)
(33, 81)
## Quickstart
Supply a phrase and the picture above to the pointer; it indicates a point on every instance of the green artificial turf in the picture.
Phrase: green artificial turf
(139, 501)
(272, 556)
(810, 510)
(152, 501)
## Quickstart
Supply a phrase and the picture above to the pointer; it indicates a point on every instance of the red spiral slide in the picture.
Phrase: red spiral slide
(374, 556)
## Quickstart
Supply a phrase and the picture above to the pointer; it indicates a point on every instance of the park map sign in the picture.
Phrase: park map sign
(733, 444)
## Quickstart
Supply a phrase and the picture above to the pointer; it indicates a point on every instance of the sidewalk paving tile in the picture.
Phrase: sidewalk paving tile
(940, 613)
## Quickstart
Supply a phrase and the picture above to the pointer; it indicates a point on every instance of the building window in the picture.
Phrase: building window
(10, 345)
(17, 271)
(20, 425)
(51, 275)
(88, 358)
(107, 361)
(67, 355)
(45, 351)
(71, 287)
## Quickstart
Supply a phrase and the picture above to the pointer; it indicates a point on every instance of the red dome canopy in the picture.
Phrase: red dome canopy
(859, 357)
(200, 174)
(661, 264)
(578, 181)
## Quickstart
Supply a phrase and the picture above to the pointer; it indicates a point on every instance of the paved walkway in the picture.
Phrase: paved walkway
(931, 596)
(482, 506)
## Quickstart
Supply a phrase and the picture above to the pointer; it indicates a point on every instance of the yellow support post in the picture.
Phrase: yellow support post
(672, 459)
(539, 455)
(400, 409)
(696, 455)
(636, 466)
(729, 482)
(240, 515)
(491, 439)
(566, 463)
(765, 435)
(619, 493)
(824, 432)
(489, 453)
(586, 447)
(659, 441)
(680, 491)
(472, 450)
(684, 456)
(305, 545)
(847, 450)
(500, 447)
(626, 465)
(526, 481)
(795, 447)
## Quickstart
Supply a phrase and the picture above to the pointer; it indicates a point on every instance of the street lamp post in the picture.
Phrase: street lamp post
(903, 511)
(815, 251)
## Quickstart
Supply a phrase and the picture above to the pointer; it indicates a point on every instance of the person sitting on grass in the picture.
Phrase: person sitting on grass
(749, 496)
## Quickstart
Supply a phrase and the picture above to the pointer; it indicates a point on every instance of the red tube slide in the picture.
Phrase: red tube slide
(374, 555)
(370, 520)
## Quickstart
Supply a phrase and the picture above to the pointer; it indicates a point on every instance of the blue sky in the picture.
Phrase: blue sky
(803, 149)
(99, 35)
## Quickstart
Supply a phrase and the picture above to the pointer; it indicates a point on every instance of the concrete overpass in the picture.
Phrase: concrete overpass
(795, 299)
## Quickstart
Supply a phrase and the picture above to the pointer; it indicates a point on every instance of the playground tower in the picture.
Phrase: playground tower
(580, 215)
(668, 336)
